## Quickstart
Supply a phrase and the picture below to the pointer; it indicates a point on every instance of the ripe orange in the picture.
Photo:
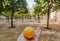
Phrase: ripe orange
(29, 32)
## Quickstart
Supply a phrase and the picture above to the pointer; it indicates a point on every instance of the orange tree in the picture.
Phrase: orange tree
(40, 8)
(13, 5)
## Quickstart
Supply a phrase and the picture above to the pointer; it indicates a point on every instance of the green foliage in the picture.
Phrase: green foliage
(57, 5)
(41, 7)
(16, 14)
(1, 6)
(16, 5)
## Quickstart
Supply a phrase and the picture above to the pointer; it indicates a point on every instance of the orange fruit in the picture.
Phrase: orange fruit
(29, 32)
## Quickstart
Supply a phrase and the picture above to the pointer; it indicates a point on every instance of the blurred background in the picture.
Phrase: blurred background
(15, 15)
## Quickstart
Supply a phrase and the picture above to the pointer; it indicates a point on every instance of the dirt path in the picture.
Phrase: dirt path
(49, 36)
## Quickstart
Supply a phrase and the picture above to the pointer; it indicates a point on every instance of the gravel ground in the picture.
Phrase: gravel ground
(49, 36)
(11, 34)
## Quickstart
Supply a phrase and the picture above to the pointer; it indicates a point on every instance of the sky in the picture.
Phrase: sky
(30, 3)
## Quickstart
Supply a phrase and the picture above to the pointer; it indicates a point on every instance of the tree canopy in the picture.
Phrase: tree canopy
(40, 7)
(19, 6)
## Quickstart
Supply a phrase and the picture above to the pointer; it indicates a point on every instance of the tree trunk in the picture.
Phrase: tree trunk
(48, 15)
(12, 26)
(38, 19)
(7, 18)
(16, 18)
(25, 18)
(22, 18)
(48, 19)
(1, 7)
(50, 5)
